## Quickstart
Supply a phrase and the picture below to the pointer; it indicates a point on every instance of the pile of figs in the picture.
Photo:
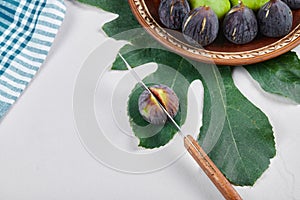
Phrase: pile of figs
(240, 21)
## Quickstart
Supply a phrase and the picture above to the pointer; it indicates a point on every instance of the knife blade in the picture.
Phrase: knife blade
(192, 146)
(140, 81)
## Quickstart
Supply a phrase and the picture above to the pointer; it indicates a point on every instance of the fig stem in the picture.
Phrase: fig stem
(206, 7)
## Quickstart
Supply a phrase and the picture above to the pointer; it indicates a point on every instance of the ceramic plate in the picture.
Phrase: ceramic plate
(221, 51)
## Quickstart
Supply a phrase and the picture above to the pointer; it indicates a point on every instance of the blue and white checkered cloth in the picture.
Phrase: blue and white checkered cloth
(27, 31)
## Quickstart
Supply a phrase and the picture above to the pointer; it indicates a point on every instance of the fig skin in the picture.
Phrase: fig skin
(201, 26)
(275, 19)
(220, 7)
(293, 4)
(240, 25)
(151, 110)
(252, 4)
(172, 12)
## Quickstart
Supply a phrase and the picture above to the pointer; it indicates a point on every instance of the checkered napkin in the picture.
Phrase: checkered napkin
(27, 31)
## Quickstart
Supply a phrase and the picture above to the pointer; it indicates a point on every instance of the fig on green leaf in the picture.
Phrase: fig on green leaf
(220, 7)
(252, 4)
(150, 109)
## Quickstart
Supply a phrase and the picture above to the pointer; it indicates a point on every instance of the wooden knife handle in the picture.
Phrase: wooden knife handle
(210, 169)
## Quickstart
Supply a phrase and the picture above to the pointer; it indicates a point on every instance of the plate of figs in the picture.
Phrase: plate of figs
(225, 32)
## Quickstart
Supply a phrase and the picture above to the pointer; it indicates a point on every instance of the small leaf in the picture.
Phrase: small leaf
(279, 76)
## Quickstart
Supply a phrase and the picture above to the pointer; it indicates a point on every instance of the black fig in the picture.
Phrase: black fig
(293, 4)
(173, 12)
(240, 25)
(151, 110)
(275, 19)
(201, 26)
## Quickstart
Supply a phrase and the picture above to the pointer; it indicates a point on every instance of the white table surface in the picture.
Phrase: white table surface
(41, 156)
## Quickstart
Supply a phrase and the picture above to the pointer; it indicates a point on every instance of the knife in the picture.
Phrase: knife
(195, 150)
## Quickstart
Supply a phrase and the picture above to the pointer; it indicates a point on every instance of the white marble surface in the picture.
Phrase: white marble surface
(41, 156)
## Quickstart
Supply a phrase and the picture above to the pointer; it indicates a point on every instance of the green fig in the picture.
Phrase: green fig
(252, 4)
(220, 7)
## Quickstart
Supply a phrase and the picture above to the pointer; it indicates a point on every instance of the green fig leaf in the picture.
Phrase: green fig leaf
(279, 76)
(233, 130)
(245, 145)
